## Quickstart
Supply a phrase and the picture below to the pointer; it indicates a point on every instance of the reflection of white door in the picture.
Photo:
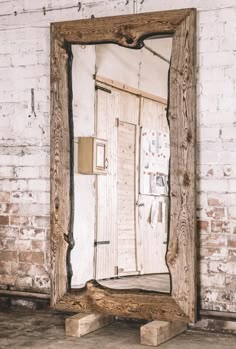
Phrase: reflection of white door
(126, 198)
(115, 249)
(126, 243)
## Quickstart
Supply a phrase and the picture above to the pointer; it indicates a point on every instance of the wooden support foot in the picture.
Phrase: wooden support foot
(82, 324)
(157, 332)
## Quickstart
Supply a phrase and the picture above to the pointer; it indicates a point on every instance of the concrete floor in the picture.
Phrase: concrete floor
(44, 330)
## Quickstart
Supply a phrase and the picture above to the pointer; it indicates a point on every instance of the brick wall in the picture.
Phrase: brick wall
(24, 142)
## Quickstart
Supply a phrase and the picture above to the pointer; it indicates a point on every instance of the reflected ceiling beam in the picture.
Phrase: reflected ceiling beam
(156, 53)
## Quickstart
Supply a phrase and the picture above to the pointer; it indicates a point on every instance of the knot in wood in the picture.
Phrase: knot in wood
(57, 203)
(186, 180)
(129, 40)
(189, 136)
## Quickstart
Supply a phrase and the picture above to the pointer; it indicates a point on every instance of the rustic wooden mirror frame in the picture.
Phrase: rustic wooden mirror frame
(128, 31)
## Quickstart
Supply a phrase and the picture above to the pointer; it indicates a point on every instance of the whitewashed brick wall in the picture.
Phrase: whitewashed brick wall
(24, 138)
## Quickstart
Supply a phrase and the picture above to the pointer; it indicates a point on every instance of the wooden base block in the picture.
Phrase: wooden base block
(82, 324)
(157, 332)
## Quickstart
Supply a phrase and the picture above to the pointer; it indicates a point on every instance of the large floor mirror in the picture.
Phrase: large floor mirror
(121, 212)
(123, 105)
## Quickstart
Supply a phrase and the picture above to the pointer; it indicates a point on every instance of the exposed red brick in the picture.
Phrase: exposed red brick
(38, 245)
(5, 268)
(4, 220)
(7, 244)
(38, 258)
(4, 196)
(216, 213)
(232, 242)
(218, 226)
(9, 208)
(31, 257)
(19, 220)
(8, 256)
(213, 202)
(202, 225)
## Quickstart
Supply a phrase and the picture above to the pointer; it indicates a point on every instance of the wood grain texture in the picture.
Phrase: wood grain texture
(181, 256)
(126, 209)
(129, 32)
(157, 332)
(136, 304)
(61, 200)
(81, 324)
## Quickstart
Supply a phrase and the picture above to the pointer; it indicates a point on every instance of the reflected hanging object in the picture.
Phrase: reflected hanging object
(154, 162)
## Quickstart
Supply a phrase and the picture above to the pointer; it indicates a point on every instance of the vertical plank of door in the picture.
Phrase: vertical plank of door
(106, 188)
(138, 233)
(126, 197)
(127, 110)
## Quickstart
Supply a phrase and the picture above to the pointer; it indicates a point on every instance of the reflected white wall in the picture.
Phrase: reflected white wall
(84, 189)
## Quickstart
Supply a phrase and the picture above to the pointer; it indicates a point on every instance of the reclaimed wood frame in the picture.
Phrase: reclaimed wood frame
(128, 31)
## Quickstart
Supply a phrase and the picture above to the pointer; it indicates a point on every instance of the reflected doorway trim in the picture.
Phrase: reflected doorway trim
(128, 31)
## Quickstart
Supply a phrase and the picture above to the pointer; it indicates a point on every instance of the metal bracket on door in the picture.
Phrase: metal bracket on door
(139, 205)
(104, 89)
(101, 243)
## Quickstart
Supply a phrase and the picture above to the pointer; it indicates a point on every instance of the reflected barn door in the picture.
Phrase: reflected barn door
(117, 114)
(126, 198)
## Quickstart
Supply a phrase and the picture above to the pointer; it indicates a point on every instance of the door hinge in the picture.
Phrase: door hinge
(98, 87)
(117, 122)
(116, 270)
(101, 243)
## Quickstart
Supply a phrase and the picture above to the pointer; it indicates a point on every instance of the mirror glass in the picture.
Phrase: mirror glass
(121, 165)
